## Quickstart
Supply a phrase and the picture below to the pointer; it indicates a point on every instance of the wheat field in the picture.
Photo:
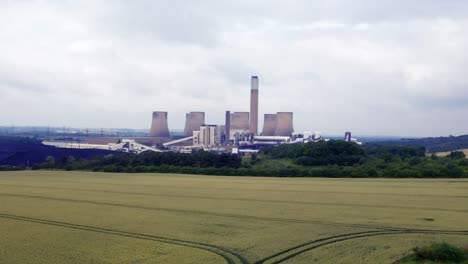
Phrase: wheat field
(86, 217)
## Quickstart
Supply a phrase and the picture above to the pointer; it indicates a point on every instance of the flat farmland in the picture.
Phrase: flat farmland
(85, 217)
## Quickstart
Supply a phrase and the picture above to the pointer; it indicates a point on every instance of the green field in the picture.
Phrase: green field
(84, 217)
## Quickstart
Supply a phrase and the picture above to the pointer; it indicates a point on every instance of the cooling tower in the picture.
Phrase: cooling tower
(159, 127)
(254, 105)
(193, 122)
(284, 124)
(269, 125)
(240, 120)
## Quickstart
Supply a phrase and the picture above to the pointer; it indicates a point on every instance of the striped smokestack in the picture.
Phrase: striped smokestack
(227, 126)
(159, 127)
(254, 105)
(284, 124)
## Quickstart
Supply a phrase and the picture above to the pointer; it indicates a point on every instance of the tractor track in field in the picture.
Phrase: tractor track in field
(292, 252)
(240, 199)
(253, 189)
(197, 212)
(258, 190)
(228, 255)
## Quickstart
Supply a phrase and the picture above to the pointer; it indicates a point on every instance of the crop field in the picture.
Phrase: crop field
(85, 217)
(446, 153)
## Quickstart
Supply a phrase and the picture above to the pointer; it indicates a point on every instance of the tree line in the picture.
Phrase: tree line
(320, 159)
(122, 161)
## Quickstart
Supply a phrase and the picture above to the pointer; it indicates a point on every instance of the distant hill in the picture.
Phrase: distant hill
(21, 151)
(433, 144)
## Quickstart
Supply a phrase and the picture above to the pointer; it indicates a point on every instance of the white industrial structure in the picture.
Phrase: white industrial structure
(125, 145)
(208, 136)
(74, 145)
(177, 141)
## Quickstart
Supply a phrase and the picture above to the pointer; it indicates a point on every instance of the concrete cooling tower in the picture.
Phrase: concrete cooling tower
(193, 122)
(269, 125)
(240, 120)
(284, 124)
(159, 127)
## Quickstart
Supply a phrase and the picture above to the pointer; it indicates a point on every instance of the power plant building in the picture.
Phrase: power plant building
(193, 122)
(159, 126)
(239, 126)
(208, 136)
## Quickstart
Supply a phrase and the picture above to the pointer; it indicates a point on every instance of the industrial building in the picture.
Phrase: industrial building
(239, 133)
(241, 127)
(209, 136)
(124, 145)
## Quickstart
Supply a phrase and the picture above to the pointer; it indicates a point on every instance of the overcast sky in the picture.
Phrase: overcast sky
(387, 67)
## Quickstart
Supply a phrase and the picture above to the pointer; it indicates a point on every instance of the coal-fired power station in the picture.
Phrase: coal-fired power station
(239, 126)
(254, 105)
(193, 122)
(159, 126)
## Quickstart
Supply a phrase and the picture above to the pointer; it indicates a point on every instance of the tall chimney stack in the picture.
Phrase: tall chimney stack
(254, 105)
(227, 126)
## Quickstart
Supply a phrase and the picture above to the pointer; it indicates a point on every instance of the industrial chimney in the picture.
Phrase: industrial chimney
(193, 122)
(284, 124)
(227, 126)
(159, 127)
(254, 105)
(269, 125)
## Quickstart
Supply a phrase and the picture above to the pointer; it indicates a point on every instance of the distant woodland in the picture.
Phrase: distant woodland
(333, 158)
(321, 159)
(434, 144)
